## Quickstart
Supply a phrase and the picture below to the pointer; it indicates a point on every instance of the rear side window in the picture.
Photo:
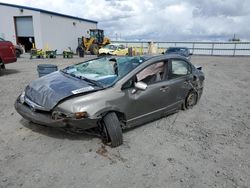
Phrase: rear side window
(179, 68)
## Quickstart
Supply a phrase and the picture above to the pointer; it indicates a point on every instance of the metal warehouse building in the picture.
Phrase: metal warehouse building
(20, 24)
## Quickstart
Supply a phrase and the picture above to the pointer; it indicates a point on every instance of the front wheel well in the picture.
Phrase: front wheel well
(121, 116)
(2, 66)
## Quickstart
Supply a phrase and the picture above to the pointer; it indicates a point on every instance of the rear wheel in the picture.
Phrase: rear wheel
(2, 66)
(191, 99)
(112, 131)
(101, 55)
(94, 49)
(18, 53)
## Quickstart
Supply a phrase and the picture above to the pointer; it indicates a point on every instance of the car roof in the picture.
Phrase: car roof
(156, 57)
(177, 48)
(163, 56)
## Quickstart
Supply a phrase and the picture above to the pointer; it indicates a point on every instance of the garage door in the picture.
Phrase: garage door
(24, 26)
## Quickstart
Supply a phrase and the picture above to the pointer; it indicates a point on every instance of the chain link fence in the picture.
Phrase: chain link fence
(197, 48)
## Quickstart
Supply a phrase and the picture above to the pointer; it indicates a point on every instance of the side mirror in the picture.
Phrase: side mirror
(139, 86)
(190, 53)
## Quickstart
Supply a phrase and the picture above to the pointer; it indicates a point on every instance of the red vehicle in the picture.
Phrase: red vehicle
(7, 53)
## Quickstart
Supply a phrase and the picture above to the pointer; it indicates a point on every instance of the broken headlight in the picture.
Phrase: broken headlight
(56, 115)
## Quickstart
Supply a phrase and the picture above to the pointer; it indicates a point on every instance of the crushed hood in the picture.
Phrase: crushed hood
(48, 90)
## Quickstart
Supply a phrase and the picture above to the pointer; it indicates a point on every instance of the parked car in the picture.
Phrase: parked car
(113, 49)
(7, 53)
(183, 51)
(19, 50)
(112, 93)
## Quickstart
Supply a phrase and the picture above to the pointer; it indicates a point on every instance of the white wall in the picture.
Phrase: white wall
(50, 30)
(59, 32)
(7, 29)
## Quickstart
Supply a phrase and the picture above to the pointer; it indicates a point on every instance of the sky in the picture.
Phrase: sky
(158, 20)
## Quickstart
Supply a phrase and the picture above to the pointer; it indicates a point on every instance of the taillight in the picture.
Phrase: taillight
(13, 49)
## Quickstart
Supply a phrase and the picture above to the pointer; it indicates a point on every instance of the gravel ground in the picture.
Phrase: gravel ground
(207, 146)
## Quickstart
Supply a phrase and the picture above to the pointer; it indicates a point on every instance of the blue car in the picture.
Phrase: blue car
(183, 51)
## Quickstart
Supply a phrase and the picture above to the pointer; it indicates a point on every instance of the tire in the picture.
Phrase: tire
(94, 49)
(112, 130)
(102, 55)
(77, 51)
(18, 53)
(2, 66)
(191, 99)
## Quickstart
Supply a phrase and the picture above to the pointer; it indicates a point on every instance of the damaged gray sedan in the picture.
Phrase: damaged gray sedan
(112, 93)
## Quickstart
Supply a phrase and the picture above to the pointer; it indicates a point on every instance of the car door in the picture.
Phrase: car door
(179, 77)
(150, 104)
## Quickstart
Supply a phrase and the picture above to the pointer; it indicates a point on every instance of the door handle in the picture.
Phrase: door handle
(164, 88)
(186, 82)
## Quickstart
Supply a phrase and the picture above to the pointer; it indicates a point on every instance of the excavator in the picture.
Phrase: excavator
(94, 42)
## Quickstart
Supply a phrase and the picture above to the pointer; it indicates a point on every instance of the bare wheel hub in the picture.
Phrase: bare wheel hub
(191, 99)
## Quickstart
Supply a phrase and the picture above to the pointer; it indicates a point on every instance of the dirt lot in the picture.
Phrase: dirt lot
(207, 146)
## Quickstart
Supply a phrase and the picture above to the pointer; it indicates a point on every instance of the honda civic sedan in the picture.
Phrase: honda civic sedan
(112, 94)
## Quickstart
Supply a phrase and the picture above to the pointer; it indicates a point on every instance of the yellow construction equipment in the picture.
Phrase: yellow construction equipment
(94, 42)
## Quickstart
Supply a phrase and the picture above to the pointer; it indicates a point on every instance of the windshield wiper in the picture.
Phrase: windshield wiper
(71, 74)
(91, 81)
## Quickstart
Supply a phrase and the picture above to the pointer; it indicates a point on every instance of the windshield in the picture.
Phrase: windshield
(176, 50)
(111, 47)
(104, 71)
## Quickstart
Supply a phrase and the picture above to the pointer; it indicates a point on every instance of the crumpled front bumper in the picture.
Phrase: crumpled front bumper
(44, 118)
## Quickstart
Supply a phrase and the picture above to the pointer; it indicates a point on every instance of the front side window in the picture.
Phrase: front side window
(179, 68)
(152, 74)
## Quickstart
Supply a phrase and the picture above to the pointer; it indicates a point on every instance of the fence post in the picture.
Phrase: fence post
(234, 49)
(141, 48)
(212, 50)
